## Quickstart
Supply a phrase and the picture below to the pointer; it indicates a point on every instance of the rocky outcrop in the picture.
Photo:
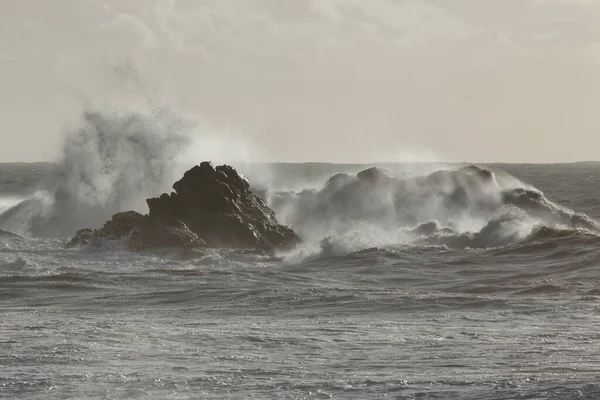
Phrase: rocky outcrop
(142, 232)
(217, 204)
(210, 207)
(164, 234)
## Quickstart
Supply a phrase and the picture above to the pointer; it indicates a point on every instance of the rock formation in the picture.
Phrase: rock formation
(211, 207)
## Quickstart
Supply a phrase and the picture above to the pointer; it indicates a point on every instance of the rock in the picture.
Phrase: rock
(161, 235)
(141, 232)
(211, 207)
(218, 205)
(122, 224)
(82, 237)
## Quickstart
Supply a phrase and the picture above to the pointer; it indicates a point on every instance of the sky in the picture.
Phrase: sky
(314, 80)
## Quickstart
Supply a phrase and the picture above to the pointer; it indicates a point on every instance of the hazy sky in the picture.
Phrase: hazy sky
(328, 80)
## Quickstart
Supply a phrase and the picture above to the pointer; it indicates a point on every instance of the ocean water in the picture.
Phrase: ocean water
(365, 311)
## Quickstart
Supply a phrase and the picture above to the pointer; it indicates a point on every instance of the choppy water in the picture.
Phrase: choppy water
(399, 320)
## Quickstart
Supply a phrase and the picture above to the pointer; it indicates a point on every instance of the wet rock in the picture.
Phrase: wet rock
(211, 207)
(122, 224)
(82, 237)
(154, 235)
(218, 205)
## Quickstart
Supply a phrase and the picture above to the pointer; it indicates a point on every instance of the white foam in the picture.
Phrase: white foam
(113, 161)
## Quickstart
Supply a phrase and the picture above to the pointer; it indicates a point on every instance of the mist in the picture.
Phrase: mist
(326, 80)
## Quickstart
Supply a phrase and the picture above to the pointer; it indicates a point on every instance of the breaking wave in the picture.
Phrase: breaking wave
(466, 207)
(112, 162)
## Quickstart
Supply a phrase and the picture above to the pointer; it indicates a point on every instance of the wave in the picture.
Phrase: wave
(468, 207)
(113, 161)
(108, 164)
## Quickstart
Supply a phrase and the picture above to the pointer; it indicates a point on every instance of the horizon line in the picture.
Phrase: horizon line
(366, 163)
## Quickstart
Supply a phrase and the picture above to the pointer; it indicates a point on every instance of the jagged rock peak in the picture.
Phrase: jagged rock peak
(211, 207)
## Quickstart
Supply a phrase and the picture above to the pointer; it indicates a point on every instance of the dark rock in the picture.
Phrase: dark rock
(82, 237)
(122, 224)
(211, 207)
(165, 206)
(150, 236)
(217, 204)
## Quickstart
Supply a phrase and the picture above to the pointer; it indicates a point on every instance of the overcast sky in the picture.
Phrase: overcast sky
(325, 80)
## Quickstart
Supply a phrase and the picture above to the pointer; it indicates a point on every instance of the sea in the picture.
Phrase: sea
(362, 311)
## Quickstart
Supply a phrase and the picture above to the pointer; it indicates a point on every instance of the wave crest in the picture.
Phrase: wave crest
(463, 207)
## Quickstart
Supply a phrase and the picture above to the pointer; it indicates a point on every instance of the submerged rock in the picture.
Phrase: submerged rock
(211, 207)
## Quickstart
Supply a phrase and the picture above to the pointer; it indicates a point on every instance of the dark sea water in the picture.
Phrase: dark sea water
(368, 311)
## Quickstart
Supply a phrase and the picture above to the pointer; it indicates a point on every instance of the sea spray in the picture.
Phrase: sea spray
(111, 161)
(460, 207)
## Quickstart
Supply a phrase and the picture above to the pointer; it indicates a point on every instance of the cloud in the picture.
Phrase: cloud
(284, 25)
(568, 2)
(318, 79)
(401, 22)
(135, 25)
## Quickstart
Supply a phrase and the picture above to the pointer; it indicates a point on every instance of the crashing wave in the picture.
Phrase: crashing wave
(114, 162)
(109, 164)
(464, 207)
